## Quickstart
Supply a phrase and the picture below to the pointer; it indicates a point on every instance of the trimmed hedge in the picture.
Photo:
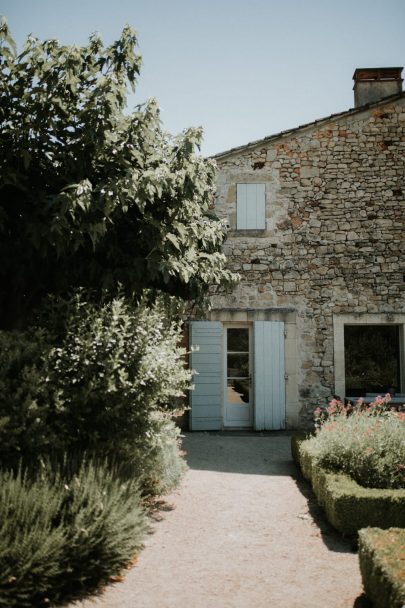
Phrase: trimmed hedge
(382, 565)
(296, 441)
(349, 506)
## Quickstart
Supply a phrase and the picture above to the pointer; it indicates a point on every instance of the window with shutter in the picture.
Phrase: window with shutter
(250, 207)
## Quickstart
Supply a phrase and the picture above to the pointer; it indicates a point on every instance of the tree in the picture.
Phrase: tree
(91, 196)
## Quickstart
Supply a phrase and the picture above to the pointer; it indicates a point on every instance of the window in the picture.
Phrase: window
(250, 207)
(372, 359)
(369, 353)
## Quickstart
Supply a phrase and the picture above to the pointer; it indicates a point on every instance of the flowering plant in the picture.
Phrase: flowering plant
(336, 407)
(365, 441)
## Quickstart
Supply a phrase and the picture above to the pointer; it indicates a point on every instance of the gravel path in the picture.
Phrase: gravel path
(244, 533)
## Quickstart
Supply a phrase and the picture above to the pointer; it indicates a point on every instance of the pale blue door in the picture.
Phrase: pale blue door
(269, 375)
(206, 398)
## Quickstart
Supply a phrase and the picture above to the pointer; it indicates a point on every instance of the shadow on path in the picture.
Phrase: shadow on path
(362, 601)
(332, 539)
(240, 452)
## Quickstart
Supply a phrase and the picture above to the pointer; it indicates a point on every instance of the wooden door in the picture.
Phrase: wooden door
(269, 375)
(206, 361)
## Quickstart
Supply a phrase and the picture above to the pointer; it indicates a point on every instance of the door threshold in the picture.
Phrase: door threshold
(224, 432)
(237, 429)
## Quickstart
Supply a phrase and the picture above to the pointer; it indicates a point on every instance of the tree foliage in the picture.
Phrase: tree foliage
(92, 196)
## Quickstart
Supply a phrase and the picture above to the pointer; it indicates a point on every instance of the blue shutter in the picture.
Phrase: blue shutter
(241, 206)
(269, 379)
(251, 207)
(206, 398)
(260, 207)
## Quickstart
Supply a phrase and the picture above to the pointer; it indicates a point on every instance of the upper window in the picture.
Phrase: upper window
(250, 207)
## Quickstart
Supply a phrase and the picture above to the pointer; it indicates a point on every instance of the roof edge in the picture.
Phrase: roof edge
(285, 133)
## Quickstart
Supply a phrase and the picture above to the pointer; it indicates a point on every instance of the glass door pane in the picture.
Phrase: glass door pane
(238, 339)
(237, 364)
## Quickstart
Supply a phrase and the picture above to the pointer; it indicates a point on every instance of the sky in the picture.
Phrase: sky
(242, 69)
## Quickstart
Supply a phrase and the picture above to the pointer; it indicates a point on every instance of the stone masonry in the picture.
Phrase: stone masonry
(334, 238)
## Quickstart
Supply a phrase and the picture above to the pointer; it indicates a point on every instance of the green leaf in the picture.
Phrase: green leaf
(173, 239)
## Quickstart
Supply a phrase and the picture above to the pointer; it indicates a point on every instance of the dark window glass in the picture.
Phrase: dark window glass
(238, 366)
(371, 359)
(238, 339)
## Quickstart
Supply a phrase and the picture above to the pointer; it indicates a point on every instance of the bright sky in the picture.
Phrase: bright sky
(243, 69)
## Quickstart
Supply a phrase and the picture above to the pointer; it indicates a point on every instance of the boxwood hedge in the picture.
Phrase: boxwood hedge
(349, 506)
(382, 559)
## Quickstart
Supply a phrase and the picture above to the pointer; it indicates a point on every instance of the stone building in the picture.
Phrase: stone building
(316, 218)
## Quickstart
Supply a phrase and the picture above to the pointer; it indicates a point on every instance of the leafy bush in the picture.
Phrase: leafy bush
(117, 372)
(24, 412)
(162, 464)
(367, 443)
(116, 366)
(101, 388)
(61, 535)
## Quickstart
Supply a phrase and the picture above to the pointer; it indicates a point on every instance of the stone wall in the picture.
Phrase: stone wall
(334, 238)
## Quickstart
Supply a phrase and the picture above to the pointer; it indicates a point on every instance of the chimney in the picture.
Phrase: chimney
(373, 84)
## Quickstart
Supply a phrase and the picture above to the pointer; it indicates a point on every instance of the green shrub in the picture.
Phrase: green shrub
(382, 556)
(163, 465)
(156, 460)
(25, 427)
(61, 536)
(348, 505)
(116, 366)
(99, 379)
(31, 544)
(368, 447)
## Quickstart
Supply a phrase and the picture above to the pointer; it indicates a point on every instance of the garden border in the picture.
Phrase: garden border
(381, 555)
(349, 506)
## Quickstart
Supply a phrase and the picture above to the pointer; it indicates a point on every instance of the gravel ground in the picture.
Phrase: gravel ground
(244, 532)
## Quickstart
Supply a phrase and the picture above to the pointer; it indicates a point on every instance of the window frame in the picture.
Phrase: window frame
(339, 322)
